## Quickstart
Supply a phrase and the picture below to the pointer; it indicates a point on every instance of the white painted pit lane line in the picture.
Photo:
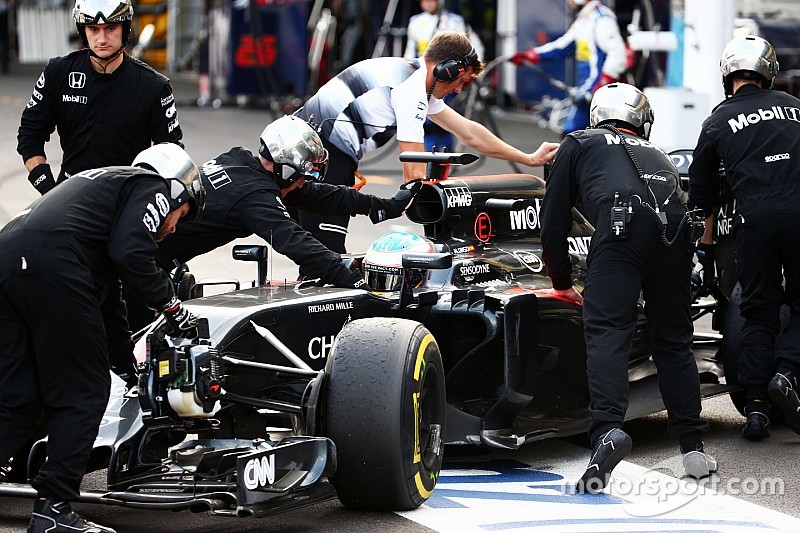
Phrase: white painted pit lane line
(513, 494)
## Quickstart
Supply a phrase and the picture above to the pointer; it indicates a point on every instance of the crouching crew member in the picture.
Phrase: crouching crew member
(629, 189)
(756, 134)
(56, 259)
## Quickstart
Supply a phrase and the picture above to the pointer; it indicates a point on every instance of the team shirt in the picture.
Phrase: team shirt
(591, 166)
(102, 119)
(367, 104)
(756, 134)
(243, 199)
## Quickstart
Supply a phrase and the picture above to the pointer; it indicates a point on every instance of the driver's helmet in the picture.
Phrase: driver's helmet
(172, 163)
(748, 57)
(621, 102)
(383, 262)
(103, 12)
(295, 148)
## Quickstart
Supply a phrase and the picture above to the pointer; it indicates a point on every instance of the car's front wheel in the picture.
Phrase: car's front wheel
(384, 410)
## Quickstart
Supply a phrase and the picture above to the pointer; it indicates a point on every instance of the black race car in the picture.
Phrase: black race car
(294, 393)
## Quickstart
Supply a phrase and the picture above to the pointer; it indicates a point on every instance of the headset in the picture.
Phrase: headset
(451, 68)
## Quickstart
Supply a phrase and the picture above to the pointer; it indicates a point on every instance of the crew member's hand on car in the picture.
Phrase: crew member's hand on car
(385, 208)
(705, 256)
(182, 322)
(570, 294)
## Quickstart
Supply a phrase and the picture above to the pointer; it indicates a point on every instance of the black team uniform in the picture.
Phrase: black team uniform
(102, 119)
(57, 259)
(591, 167)
(756, 133)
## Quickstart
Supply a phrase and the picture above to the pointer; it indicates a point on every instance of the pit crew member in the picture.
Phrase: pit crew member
(599, 50)
(756, 133)
(249, 194)
(372, 101)
(641, 245)
(56, 259)
(106, 106)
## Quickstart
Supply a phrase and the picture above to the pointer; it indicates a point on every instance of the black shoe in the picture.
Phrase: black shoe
(782, 390)
(609, 450)
(10, 474)
(52, 516)
(757, 426)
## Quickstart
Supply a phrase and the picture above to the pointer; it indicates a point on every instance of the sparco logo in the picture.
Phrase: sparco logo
(773, 113)
(458, 197)
(776, 157)
(473, 269)
(74, 98)
(527, 218)
(259, 472)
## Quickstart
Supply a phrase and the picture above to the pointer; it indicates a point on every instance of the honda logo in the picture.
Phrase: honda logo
(77, 80)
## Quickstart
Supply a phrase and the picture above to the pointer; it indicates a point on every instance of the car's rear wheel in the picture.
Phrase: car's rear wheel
(732, 348)
(384, 410)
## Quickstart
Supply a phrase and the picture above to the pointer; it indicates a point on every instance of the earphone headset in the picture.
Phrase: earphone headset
(451, 68)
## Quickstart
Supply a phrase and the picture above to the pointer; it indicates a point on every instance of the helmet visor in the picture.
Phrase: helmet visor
(102, 11)
(383, 279)
(316, 170)
(288, 173)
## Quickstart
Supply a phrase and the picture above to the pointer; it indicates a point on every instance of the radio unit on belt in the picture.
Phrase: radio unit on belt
(620, 216)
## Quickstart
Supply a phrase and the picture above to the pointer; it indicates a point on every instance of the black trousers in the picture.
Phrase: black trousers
(331, 230)
(767, 252)
(53, 361)
(618, 271)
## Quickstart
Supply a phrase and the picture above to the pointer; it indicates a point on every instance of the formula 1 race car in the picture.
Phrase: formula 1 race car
(294, 393)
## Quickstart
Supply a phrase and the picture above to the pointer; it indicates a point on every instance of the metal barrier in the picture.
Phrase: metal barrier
(43, 33)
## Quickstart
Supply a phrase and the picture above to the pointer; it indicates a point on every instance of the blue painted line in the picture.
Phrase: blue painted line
(440, 498)
(507, 470)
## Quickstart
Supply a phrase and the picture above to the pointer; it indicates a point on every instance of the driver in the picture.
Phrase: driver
(57, 259)
(383, 262)
(249, 194)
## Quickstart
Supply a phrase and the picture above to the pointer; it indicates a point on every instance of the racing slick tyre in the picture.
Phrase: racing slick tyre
(732, 349)
(384, 410)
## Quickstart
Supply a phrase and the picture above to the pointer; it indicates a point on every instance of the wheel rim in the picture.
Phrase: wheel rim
(430, 418)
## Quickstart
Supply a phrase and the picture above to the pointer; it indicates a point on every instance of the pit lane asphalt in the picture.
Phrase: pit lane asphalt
(209, 132)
